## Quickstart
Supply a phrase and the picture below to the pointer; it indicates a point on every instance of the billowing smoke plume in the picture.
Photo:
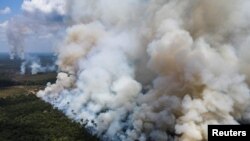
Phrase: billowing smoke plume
(154, 69)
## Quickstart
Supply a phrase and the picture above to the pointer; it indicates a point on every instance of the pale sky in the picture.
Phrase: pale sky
(39, 25)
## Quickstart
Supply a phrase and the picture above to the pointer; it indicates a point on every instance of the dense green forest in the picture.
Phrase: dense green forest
(24, 117)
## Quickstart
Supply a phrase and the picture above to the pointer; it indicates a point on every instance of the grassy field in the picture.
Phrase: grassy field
(24, 117)
(18, 90)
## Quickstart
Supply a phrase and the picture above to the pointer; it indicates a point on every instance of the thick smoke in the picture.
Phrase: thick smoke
(154, 69)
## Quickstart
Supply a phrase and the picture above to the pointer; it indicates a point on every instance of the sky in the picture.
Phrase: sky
(35, 25)
(14, 7)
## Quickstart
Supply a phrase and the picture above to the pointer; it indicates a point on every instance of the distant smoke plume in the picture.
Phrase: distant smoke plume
(39, 19)
(33, 65)
(154, 69)
(16, 33)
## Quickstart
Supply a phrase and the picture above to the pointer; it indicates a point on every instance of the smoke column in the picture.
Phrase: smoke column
(34, 65)
(16, 31)
(38, 20)
(154, 69)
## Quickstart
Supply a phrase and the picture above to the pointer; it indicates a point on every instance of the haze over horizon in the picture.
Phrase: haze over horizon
(39, 28)
(159, 70)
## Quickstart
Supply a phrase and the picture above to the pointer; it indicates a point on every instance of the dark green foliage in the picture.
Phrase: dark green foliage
(24, 117)
(10, 72)
(27, 118)
(6, 82)
(38, 79)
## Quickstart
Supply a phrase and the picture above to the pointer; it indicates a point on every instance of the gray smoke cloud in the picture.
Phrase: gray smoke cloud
(154, 69)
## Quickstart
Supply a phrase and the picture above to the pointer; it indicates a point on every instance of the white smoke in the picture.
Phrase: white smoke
(154, 69)
(16, 33)
(33, 65)
(39, 19)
